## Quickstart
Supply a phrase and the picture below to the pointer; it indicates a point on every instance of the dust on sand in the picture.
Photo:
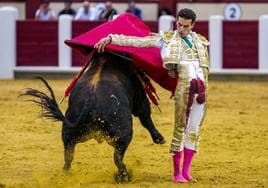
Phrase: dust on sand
(233, 148)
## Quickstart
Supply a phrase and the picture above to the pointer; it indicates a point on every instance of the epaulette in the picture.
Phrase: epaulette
(167, 35)
(203, 39)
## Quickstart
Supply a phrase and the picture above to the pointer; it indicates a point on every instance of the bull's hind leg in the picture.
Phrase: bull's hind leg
(122, 174)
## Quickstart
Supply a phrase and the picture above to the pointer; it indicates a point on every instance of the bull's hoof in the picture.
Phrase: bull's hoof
(160, 141)
(122, 177)
(158, 138)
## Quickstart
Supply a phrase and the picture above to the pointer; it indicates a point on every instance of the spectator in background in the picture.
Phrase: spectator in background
(133, 9)
(86, 12)
(44, 12)
(164, 11)
(100, 7)
(109, 12)
(67, 9)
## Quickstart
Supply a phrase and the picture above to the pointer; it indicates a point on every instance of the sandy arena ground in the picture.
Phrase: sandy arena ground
(233, 149)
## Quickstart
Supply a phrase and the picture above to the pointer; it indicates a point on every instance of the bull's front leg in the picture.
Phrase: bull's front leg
(147, 122)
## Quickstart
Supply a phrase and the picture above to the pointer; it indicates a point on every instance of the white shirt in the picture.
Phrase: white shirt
(41, 15)
(91, 15)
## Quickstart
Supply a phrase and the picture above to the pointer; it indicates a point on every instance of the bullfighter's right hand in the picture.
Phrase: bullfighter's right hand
(100, 46)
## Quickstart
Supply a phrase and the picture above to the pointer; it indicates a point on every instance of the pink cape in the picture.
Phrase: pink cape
(146, 59)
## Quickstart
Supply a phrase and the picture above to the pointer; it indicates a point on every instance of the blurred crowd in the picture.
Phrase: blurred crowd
(100, 11)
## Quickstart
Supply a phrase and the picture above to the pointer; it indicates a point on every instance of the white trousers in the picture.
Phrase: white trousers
(189, 114)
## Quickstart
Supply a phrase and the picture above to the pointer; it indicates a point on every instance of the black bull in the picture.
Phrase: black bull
(101, 105)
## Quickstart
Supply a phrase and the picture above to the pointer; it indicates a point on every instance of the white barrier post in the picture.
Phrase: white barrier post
(165, 23)
(263, 43)
(64, 32)
(8, 17)
(215, 38)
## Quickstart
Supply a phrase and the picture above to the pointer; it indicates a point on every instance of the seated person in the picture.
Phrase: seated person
(86, 12)
(100, 8)
(44, 12)
(134, 10)
(67, 9)
(164, 11)
(109, 12)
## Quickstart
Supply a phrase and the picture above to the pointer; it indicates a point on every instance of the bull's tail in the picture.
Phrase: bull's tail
(49, 106)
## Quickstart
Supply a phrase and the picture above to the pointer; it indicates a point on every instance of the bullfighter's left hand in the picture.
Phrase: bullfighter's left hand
(100, 46)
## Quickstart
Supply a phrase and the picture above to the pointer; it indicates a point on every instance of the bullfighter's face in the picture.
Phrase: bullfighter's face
(184, 26)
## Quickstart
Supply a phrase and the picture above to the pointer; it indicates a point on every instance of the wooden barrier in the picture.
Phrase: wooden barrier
(37, 43)
(240, 44)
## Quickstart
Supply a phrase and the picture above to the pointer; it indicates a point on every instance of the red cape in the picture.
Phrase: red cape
(146, 59)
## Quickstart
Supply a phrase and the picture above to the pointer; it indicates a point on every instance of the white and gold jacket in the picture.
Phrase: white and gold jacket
(173, 48)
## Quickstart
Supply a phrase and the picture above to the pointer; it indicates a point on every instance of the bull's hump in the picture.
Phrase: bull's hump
(97, 75)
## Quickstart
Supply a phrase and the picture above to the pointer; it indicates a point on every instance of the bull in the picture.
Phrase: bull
(100, 107)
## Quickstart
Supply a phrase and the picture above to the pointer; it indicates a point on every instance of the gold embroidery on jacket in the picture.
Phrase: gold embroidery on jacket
(146, 42)
(176, 50)
(201, 45)
(181, 101)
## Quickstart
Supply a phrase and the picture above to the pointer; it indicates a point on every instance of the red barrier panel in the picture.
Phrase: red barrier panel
(240, 44)
(37, 43)
(201, 27)
(153, 25)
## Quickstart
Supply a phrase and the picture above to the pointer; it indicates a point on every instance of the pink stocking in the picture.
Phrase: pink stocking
(177, 176)
(188, 157)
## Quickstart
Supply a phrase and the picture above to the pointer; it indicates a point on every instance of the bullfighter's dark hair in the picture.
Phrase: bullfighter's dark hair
(187, 14)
